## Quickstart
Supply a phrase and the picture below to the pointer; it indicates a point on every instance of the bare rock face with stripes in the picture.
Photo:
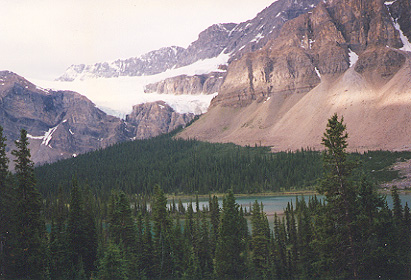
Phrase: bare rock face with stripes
(350, 57)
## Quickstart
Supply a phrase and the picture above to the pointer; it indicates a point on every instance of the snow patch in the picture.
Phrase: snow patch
(352, 56)
(35, 137)
(116, 96)
(310, 41)
(318, 72)
(388, 3)
(257, 38)
(48, 136)
(404, 39)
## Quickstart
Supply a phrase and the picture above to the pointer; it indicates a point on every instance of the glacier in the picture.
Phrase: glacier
(116, 96)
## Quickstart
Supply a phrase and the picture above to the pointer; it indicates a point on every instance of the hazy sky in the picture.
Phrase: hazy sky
(41, 38)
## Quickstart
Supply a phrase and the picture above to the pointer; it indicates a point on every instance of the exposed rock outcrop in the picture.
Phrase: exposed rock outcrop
(154, 118)
(198, 84)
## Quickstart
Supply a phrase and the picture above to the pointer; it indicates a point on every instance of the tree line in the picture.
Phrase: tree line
(351, 234)
(191, 166)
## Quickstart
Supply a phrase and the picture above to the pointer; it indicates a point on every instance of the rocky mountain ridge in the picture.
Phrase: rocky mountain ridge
(283, 94)
(226, 38)
(63, 124)
(151, 63)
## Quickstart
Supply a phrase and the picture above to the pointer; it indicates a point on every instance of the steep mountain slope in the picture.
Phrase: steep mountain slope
(283, 94)
(151, 119)
(62, 124)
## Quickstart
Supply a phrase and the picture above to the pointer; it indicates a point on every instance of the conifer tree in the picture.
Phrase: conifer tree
(179, 248)
(5, 204)
(162, 236)
(260, 241)
(215, 222)
(229, 261)
(113, 264)
(189, 224)
(29, 234)
(204, 249)
(341, 199)
(58, 242)
(122, 229)
(81, 231)
(280, 254)
(148, 249)
(406, 242)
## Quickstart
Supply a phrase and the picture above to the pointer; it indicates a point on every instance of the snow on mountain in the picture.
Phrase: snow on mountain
(353, 57)
(151, 63)
(116, 96)
(115, 86)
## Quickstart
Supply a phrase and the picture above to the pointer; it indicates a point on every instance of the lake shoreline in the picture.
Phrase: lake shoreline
(202, 197)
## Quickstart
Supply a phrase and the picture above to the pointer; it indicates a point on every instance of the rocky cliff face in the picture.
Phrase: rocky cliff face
(311, 47)
(62, 124)
(351, 57)
(183, 84)
(151, 119)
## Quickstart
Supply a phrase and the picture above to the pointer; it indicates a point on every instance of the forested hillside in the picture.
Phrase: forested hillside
(351, 234)
(190, 166)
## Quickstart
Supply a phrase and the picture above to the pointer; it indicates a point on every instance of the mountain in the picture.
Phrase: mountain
(227, 38)
(63, 124)
(151, 63)
(351, 57)
(288, 70)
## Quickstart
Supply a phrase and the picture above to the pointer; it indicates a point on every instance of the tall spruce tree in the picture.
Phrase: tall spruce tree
(81, 232)
(123, 230)
(229, 261)
(341, 200)
(29, 235)
(162, 239)
(260, 239)
(113, 264)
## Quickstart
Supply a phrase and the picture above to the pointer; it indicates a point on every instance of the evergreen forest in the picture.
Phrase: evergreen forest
(195, 167)
(100, 226)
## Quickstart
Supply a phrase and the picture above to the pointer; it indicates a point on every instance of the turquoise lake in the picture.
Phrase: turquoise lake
(277, 204)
